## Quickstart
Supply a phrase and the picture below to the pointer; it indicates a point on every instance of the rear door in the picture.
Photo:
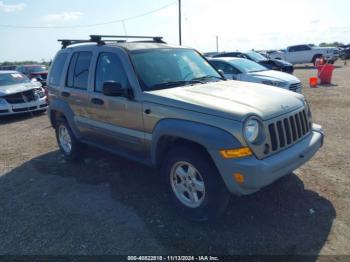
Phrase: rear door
(75, 90)
(114, 122)
(300, 54)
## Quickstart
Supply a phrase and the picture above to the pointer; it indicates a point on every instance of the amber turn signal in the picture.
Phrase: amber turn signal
(239, 178)
(236, 153)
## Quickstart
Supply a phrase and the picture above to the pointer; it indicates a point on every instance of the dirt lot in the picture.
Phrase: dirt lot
(107, 205)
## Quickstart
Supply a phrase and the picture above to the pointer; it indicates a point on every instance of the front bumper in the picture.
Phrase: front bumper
(331, 58)
(260, 173)
(288, 69)
(11, 109)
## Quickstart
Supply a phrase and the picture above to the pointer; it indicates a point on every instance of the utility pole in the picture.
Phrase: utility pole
(180, 40)
(217, 44)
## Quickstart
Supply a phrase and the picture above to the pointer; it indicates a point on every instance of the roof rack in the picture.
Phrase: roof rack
(68, 42)
(157, 39)
(98, 39)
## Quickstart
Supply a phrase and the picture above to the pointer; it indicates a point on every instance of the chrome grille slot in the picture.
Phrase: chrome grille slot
(273, 137)
(297, 120)
(280, 134)
(303, 130)
(294, 131)
(288, 130)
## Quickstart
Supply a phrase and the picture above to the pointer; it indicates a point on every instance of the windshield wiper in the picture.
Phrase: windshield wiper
(176, 83)
(259, 70)
(207, 77)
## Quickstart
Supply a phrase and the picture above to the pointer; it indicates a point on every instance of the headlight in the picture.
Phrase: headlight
(2, 101)
(251, 130)
(274, 83)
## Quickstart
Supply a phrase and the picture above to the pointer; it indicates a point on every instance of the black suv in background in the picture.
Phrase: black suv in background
(273, 64)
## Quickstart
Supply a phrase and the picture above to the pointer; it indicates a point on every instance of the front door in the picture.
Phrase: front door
(114, 122)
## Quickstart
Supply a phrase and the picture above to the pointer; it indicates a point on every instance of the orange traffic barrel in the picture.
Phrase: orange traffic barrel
(313, 81)
(325, 73)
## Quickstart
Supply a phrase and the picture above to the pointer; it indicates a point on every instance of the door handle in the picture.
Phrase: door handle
(97, 101)
(65, 94)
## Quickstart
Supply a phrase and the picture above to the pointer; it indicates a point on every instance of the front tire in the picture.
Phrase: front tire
(195, 185)
(68, 144)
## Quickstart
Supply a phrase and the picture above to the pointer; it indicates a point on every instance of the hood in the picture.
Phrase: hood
(13, 89)
(229, 99)
(275, 76)
(39, 73)
(281, 62)
(327, 49)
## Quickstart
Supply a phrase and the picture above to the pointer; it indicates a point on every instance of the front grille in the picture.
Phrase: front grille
(288, 130)
(24, 109)
(288, 69)
(23, 97)
(295, 87)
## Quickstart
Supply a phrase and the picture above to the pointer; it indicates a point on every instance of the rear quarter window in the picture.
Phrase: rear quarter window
(57, 69)
(78, 72)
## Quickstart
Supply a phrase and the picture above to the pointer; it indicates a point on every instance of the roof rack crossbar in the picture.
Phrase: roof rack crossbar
(98, 39)
(157, 39)
(68, 42)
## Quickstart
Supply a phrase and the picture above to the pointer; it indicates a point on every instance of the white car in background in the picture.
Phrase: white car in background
(242, 69)
(301, 54)
(18, 94)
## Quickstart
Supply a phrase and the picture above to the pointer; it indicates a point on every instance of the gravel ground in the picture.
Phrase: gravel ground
(107, 205)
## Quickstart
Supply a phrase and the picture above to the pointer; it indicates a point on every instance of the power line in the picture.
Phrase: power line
(89, 25)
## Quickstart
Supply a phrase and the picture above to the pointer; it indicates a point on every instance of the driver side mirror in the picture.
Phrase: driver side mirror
(222, 74)
(112, 88)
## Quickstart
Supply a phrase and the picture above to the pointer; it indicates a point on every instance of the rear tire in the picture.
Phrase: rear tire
(195, 185)
(68, 144)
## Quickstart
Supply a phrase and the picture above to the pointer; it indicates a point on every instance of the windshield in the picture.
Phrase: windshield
(166, 68)
(247, 66)
(36, 69)
(13, 79)
(256, 56)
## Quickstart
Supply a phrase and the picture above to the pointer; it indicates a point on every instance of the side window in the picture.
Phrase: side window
(109, 68)
(226, 68)
(292, 49)
(56, 69)
(232, 70)
(70, 76)
(78, 72)
(304, 48)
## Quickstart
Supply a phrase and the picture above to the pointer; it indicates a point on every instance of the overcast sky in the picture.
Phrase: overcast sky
(240, 25)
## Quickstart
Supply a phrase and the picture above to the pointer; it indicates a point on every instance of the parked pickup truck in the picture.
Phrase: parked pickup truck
(167, 107)
(301, 54)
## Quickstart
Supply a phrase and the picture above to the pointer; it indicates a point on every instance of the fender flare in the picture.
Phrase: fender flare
(210, 137)
(63, 108)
